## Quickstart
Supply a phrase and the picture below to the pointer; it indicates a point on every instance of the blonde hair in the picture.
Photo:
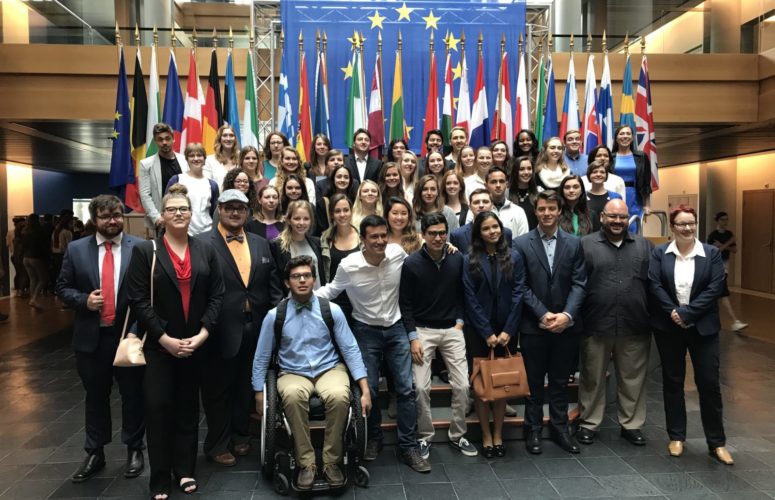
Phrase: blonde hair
(359, 210)
(281, 173)
(219, 153)
(416, 168)
(285, 237)
(193, 147)
(543, 157)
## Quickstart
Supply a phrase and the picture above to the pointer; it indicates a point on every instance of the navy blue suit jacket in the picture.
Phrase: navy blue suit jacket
(461, 237)
(79, 277)
(561, 289)
(708, 284)
(492, 308)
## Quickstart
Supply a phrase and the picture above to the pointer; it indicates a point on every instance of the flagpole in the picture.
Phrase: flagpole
(317, 41)
(173, 40)
(379, 75)
(499, 105)
(362, 84)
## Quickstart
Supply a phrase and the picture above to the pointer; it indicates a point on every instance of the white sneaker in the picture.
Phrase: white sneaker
(738, 325)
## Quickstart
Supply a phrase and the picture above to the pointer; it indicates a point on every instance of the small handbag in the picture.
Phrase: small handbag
(130, 349)
(497, 379)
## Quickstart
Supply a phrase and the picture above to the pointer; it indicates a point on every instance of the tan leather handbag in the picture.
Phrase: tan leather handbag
(497, 379)
(130, 349)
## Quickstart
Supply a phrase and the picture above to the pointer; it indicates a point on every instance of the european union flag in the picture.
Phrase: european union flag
(122, 171)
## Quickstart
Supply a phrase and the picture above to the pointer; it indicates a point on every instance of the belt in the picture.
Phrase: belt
(629, 184)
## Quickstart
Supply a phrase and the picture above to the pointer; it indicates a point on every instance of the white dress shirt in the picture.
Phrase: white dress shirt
(360, 164)
(511, 216)
(116, 251)
(684, 270)
(372, 290)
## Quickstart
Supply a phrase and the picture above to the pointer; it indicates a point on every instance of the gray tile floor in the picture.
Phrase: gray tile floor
(41, 426)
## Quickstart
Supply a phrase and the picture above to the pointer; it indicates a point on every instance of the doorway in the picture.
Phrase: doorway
(757, 235)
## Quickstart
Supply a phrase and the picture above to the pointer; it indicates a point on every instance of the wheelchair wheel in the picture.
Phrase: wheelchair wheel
(361, 477)
(269, 426)
(280, 484)
(358, 443)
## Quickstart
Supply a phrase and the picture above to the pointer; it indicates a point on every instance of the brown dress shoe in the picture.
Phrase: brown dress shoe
(333, 475)
(722, 455)
(306, 478)
(241, 449)
(676, 448)
(225, 459)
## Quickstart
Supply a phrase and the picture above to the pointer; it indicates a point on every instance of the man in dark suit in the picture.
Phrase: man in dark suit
(252, 288)
(479, 201)
(551, 320)
(359, 163)
(91, 283)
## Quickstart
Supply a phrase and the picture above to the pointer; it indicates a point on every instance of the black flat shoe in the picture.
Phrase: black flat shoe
(633, 436)
(499, 450)
(585, 436)
(134, 464)
(533, 443)
(566, 442)
(488, 451)
(92, 465)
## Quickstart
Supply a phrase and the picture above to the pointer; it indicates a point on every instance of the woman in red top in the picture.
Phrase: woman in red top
(187, 294)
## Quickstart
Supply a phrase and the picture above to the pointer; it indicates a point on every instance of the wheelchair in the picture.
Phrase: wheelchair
(278, 461)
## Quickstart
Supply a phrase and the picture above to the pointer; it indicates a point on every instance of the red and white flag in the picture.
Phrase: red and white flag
(522, 112)
(463, 98)
(192, 111)
(431, 105)
(503, 125)
(376, 113)
(590, 131)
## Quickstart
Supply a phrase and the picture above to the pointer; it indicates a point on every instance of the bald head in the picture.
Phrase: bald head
(616, 206)
(614, 220)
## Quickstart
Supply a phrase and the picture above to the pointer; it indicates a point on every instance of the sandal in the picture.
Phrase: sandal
(185, 485)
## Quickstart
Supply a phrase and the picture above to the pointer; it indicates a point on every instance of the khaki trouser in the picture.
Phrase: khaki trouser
(450, 343)
(333, 387)
(630, 356)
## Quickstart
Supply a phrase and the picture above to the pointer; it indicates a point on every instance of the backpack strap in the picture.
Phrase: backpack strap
(279, 322)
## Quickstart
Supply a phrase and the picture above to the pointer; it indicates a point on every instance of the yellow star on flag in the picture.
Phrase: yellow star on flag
(457, 71)
(114, 134)
(348, 71)
(376, 20)
(117, 115)
(454, 102)
(409, 131)
(452, 42)
(403, 12)
(431, 21)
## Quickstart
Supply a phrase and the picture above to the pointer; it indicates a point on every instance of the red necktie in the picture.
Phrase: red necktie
(108, 312)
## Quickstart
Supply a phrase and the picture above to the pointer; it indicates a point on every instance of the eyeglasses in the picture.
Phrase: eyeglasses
(301, 276)
(240, 209)
(436, 234)
(685, 225)
(174, 210)
(616, 216)
(106, 218)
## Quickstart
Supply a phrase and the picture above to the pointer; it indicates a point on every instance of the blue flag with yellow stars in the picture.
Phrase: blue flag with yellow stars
(121, 171)
(415, 20)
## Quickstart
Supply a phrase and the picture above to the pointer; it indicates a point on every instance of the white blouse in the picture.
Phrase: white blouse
(684, 270)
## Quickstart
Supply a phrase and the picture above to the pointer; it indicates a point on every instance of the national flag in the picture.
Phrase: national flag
(376, 115)
(139, 120)
(605, 107)
(284, 109)
(522, 112)
(173, 102)
(644, 119)
(503, 124)
(192, 113)
(480, 122)
(431, 104)
(230, 107)
(447, 104)
(212, 112)
(249, 113)
(121, 171)
(627, 109)
(590, 132)
(397, 122)
(538, 127)
(304, 135)
(356, 104)
(550, 111)
(321, 123)
(570, 106)
(463, 98)
(154, 107)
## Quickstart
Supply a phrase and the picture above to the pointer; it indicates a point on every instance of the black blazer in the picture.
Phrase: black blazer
(281, 258)
(373, 166)
(79, 277)
(642, 174)
(708, 284)
(166, 314)
(559, 290)
(259, 228)
(263, 290)
(461, 237)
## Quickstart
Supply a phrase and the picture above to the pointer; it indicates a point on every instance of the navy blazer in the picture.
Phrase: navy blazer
(461, 237)
(492, 308)
(708, 284)
(79, 277)
(560, 290)
(264, 290)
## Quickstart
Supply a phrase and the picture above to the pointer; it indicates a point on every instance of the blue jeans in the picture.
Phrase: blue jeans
(392, 344)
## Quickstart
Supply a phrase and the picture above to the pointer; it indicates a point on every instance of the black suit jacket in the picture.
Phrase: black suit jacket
(263, 290)
(560, 290)
(79, 277)
(166, 313)
(642, 174)
(702, 309)
(281, 258)
(259, 228)
(373, 166)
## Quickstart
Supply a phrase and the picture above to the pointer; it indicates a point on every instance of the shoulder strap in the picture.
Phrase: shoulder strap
(279, 322)
(328, 318)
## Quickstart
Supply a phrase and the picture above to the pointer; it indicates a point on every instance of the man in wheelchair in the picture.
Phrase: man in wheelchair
(309, 358)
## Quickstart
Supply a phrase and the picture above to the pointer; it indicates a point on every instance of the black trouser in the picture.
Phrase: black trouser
(227, 395)
(554, 354)
(704, 353)
(172, 415)
(97, 372)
